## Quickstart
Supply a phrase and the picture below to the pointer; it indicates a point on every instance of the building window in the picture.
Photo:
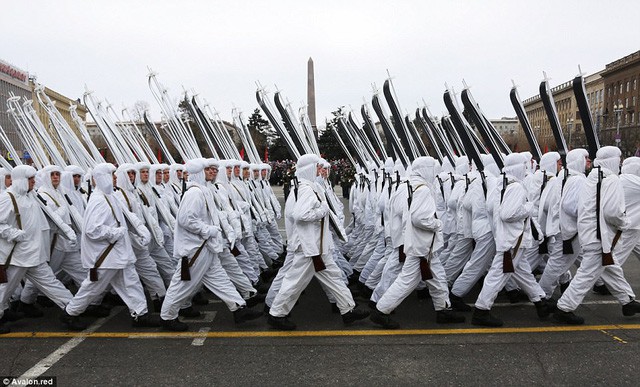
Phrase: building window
(628, 86)
(634, 84)
(621, 87)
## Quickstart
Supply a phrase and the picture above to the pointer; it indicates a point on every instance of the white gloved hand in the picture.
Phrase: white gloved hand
(210, 232)
(528, 208)
(278, 215)
(69, 233)
(17, 236)
(438, 225)
(231, 235)
(117, 233)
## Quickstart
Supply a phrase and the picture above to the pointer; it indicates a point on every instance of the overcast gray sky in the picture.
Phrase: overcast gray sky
(221, 48)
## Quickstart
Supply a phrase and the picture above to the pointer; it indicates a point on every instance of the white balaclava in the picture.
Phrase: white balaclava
(152, 173)
(265, 167)
(3, 173)
(515, 166)
(631, 165)
(549, 163)
(253, 168)
(20, 179)
(103, 176)
(140, 166)
(608, 158)
(423, 171)
(195, 168)
(490, 167)
(173, 173)
(45, 176)
(306, 168)
(531, 167)
(243, 165)
(222, 177)
(122, 178)
(577, 161)
(211, 162)
(462, 165)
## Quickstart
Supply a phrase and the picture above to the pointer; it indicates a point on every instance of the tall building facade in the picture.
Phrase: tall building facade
(13, 82)
(613, 95)
(621, 94)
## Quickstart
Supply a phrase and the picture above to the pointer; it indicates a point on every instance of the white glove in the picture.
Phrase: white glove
(144, 235)
(438, 225)
(17, 236)
(210, 232)
(68, 233)
(117, 233)
(231, 235)
(278, 215)
(528, 208)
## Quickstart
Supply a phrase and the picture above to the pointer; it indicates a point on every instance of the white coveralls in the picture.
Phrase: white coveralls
(30, 243)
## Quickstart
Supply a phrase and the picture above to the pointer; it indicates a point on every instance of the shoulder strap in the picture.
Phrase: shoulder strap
(112, 210)
(15, 209)
(54, 200)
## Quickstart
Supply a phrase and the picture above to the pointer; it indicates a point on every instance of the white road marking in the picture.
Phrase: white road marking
(199, 341)
(43, 365)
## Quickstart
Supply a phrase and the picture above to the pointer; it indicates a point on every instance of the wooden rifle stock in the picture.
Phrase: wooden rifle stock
(318, 263)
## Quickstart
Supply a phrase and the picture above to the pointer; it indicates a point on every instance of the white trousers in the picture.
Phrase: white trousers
(237, 277)
(166, 264)
(249, 258)
(556, 271)
(69, 262)
(276, 237)
(460, 254)
(445, 253)
(297, 278)
(408, 280)
(477, 265)
(147, 269)
(376, 275)
(589, 271)
(366, 252)
(42, 277)
(277, 281)
(124, 281)
(376, 256)
(206, 270)
(392, 268)
(496, 280)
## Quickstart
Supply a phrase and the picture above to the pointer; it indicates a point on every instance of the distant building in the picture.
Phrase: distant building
(17, 82)
(620, 103)
(613, 95)
(13, 82)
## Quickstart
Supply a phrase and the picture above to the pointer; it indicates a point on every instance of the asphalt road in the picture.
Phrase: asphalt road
(526, 351)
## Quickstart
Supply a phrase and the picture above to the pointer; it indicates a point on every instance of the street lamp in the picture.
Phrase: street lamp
(569, 126)
(618, 110)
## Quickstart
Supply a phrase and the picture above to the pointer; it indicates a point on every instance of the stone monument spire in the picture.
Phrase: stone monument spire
(311, 96)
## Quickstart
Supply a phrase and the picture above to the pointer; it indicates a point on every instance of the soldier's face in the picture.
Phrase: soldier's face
(264, 173)
(132, 176)
(229, 170)
(144, 175)
(179, 174)
(55, 179)
(158, 176)
(7, 181)
(245, 173)
(76, 180)
(165, 175)
(32, 182)
(558, 165)
(236, 170)
(208, 173)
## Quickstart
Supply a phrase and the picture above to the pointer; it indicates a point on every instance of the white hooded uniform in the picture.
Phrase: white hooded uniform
(197, 229)
(105, 225)
(27, 242)
(612, 218)
(512, 222)
(422, 237)
(65, 254)
(309, 237)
